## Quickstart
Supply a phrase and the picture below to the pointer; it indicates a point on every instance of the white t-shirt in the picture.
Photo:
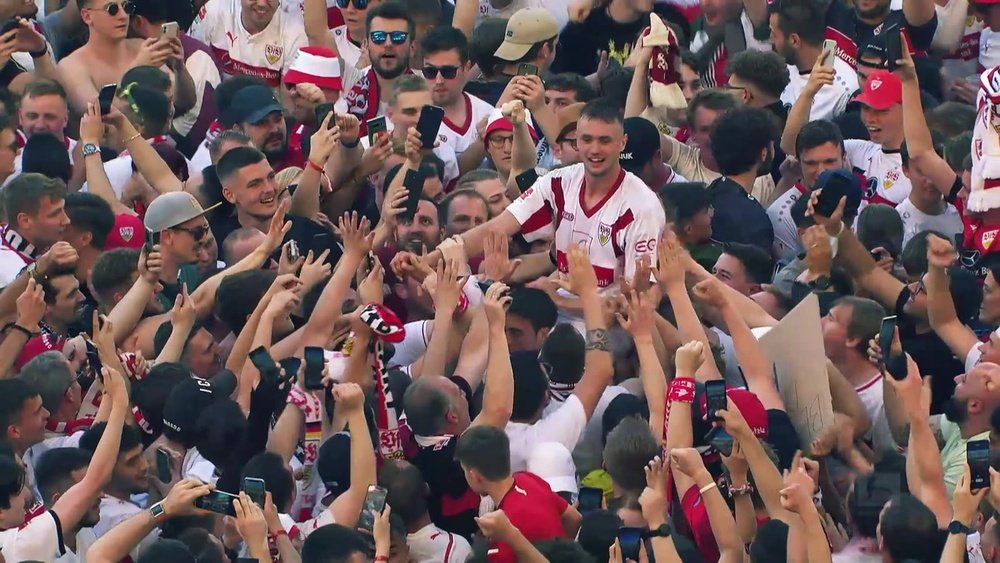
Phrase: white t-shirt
(12, 260)
(431, 544)
(114, 511)
(884, 171)
(948, 223)
(195, 466)
(786, 234)
(618, 230)
(832, 99)
(347, 50)
(461, 136)
(265, 55)
(119, 172)
(871, 395)
(40, 540)
(564, 426)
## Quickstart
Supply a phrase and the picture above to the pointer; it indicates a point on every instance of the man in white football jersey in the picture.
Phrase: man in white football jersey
(595, 204)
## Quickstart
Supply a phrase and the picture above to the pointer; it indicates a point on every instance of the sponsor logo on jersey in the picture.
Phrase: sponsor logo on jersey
(272, 53)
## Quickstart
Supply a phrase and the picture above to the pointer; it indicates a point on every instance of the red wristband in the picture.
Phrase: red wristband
(314, 166)
(681, 390)
(379, 558)
(278, 534)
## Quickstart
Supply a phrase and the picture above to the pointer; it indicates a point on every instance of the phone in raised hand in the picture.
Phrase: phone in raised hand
(106, 97)
(169, 30)
(372, 508)
(830, 48)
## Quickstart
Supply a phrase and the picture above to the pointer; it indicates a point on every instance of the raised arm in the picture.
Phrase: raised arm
(128, 312)
(688, 461)
(182, 319)
(498, 397)
(147, 161)
(317, 27)
(91, 131)
(941, 313)
(464, 18)
(796, 497)
(654, 383)
(798, 116)
(637, 100)
(357, 243)
(447, 290)
(30, 310)
(347, 507)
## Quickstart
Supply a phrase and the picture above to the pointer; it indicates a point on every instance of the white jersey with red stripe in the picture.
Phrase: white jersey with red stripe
(347, 50)
(883, 169)
(989, 50)
(461, 136)
(786, 234)
(265, 55)
(620, 228)
(964, 60)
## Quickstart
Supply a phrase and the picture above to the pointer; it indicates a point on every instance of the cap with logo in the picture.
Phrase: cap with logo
(252, 104)
(128, 232)
(315, 65)
(172, 209)
(881, 91)
(526, 28)
(190, 398)
(642, 143)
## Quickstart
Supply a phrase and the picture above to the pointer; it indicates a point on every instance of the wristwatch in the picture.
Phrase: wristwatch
(90, 148)
(957, 527)
(662, 531)
(159, 514)
(34, 274)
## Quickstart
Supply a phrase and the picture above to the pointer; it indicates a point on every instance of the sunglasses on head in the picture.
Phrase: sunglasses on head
(447, 72)
(359, 4)
(397, 37)
(112, 8)
(197, 233)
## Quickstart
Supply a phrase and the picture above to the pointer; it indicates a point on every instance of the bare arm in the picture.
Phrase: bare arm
(845, 400)
(637, 100)
(464, 18)
(473, 354)
(147, 160)
(347, 507)
(127, 313)
(940, 305)
(918, 12)
(597, 367)
(498, 396)
(315, 20)
(798, 116)
(919, 144)
(670, 274)
(97, 178)
(76, 81)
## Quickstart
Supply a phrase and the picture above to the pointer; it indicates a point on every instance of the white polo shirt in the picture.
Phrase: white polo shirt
(832, 99)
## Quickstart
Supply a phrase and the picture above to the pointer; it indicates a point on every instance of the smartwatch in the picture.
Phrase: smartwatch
(159, 515)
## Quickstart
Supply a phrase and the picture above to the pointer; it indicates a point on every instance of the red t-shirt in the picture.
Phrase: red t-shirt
(532, 508)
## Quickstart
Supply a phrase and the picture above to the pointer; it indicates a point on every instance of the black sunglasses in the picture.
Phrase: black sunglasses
(112, 8)
(196, 233)
(397, 37)
(447, 72)
(359, 4)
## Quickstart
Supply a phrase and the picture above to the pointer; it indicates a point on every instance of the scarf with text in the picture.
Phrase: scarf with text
(386, 327)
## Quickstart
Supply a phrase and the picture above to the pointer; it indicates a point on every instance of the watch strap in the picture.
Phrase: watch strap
(159, 514)
(956, 527)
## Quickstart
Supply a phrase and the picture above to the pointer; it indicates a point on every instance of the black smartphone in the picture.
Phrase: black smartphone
(148, 246)
(715, 398)
(590, 499)
(719, 439)
(219, 502)
(9, 25)
(255, 489)
(264, 363)
(630, 540)
(414, 184)
(320, 242)
(106, 96)
(526, 69)
(94, 359)
(835, 188)
(373, 506)
(321, 111)
(376, 126)
(314, 367)
(163, 465)
(892, 364)
(525, 180)
(291, 366)
(893, 46)
(977, 452)
(429, 124)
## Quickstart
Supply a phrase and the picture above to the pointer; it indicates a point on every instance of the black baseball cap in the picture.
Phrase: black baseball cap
(562, 354)
(190, 398)
(252, 104)
(643, 142)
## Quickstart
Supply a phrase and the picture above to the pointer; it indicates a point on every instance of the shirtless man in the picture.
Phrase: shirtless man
(109, 53)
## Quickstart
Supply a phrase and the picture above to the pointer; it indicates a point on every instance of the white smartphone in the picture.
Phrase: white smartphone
(829, 46)
(169, 30)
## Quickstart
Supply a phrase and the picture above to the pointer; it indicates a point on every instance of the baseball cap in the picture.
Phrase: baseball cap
(882, 90)
(750, 407)
(847, 184)
(568, 116)
(252, 104)
(315, 65)
(37, 345)
(554, 464)
(128, 232)
(498, 122)
(190, 398)
(527, 27)
(171, 209)
(562, 354)
(643, 142)
(334, 464)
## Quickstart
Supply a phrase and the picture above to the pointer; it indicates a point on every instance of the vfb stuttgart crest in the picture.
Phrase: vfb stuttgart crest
(272, 53)
(603, 234)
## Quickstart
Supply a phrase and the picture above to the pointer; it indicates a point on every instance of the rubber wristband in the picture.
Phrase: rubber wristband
(681, 390)
(278, 534)
(314, 166)
(708, 487)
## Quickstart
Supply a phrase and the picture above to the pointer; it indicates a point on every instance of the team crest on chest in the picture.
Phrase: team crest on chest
(272, 53)
(603, 234)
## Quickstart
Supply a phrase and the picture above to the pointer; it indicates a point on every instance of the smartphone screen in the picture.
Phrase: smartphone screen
(630, 540)
(255, 489)
(590, 499)
(163, 465)
(291, 366)
(106, 96)
(526, 69)
(885, 333)
(321, 111)
(719, 439)
(429, 124)
(265, 364)
(219, 502)
(977, 453)
(314, 367)
(715, 398)
(374, 504)
(376, 126)
(414, 184)
(525, 180)
(829, 46)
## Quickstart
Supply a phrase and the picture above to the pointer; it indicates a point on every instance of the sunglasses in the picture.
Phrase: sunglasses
(112, 8)
(359, 4)
(397, 37)
(447, 72)
(197, 233)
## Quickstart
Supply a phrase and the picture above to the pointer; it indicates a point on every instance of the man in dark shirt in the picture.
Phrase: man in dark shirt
(871, 18)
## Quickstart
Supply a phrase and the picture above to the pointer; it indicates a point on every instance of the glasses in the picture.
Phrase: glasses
(447, 72)
(499, 142)
(397, 37)
(359, 4)
(112, 8)
(197, 233)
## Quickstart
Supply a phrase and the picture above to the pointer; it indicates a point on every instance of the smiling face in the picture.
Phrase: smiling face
(600, 142)
(258, 13)
(819, 159)
(885, 126)
(253, 191)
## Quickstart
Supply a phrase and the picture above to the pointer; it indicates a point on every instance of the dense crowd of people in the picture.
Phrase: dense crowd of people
(437, 281)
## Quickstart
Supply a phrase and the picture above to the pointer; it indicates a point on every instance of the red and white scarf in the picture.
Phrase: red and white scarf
(308, 451)
(386, 327)
(363, 99)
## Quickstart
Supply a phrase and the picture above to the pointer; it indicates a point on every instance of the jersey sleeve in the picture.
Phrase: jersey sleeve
(204, 25)
(295, 32)
(640, 238)
(534, 210)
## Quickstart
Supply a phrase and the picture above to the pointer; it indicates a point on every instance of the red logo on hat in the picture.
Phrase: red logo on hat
(126, 233)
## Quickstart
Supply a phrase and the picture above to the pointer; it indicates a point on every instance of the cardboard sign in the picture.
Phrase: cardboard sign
(795, 346)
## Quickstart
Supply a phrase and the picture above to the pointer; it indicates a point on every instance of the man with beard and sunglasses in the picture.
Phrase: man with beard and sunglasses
(109, 53)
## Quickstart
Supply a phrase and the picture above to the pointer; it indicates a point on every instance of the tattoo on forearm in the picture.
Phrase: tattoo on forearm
(597, 339)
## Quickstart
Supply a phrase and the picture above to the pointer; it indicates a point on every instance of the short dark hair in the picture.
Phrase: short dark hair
(217, 429)
(14, 392)
(801, 17)
(425, 406)
(215, 145)
(53, 470)
(563, 550)
(771, 542)
(391, 10)
(24, 194)
(333, 543)
(530, 386)
(487, 450)
(270, 467)
(112, 272)
(880, 225)
(407, 490)
(952, 118)
(90, 213)
(473, 177)
(45, 154)
(572, 82)
(709, 98)
(601, 110)
(235, 160)
(738, 137)
(445, 204)
(866, 319)
(12, 477)
(239, 294)
(92, 437)
(151, 106)
(629, 448)
(818, 133)
(910, 530)
(163, 332)
(486, 39)
(49, 291)
(682, 201)
(166, 551)
(534, 305)
(764, 69)
(148, 76)
(425, 11)
(201, 543)
(535, 49)
(755, 260)
(598, 530)
(446, 38)
(43, 87)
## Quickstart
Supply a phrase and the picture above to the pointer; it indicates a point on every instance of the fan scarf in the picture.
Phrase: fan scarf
(386, 327)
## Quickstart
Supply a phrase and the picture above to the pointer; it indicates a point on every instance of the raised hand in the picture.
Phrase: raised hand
(582, 279)
(60, 255)
(315, 270)
(819, 253)
(323, 141)
(374, 157)
(285, 263)
(154, 51)
(92, 125)
(497, 264)
(496, 302)
(250, 520)
(277, 228)
(940, 252)
(180, 499)
(687, 461)
(356, 234)
(653, 499)
(372, 289)
(350, 128)
(183, 312)
(639, 322)
(966, 501)
(348, 396)
(689, 357)
(833, 224)
(151, 266)
(114, 384)
(495, 525)
(710, 291)
(670, 261)
(380, 530)
(734, 423)
(449, 285)
(820, 76)
(31, 306)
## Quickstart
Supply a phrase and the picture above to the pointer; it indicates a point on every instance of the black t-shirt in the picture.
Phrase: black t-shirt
(738, 216)
(488, 90)
(452, 504)
(931, 354)
(580, 44)
(844, 19)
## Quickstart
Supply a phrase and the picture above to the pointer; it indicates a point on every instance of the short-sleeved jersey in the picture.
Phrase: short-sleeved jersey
(832, 99)
(461, 136)
(534, 510)
(883, 169)
(347, 50)
(624, 225)
(265, 55)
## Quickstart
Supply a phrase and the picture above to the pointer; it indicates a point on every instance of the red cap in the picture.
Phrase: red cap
(882, 90)
(500, 123)
(37, 345)
(128, 232)
(751, 408)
